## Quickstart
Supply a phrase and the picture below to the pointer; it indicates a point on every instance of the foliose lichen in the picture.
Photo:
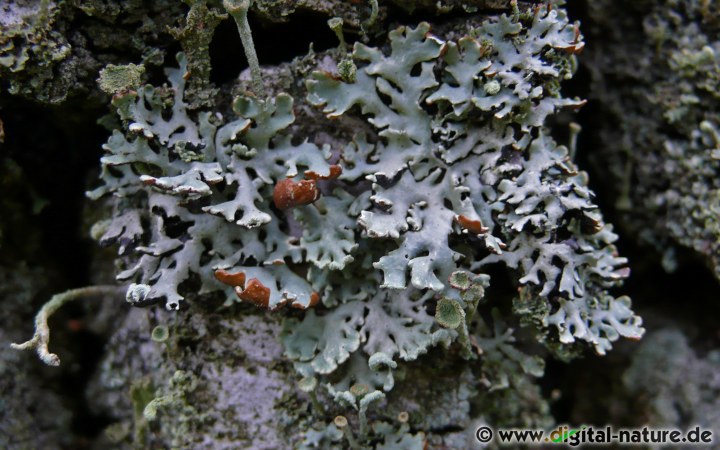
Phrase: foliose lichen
(388, 243)
(462, 175)
(225, 173)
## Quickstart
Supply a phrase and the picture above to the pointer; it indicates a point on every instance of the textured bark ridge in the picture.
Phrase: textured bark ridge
(191, 391)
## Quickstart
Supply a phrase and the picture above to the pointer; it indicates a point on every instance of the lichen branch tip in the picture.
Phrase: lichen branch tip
(41, 338)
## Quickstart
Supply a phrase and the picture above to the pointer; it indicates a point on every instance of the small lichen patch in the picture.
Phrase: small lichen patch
(115, 79)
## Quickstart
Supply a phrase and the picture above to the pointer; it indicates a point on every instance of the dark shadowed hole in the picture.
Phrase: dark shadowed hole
(174, 227)
(191, 286)
(416, 70)
(275, 43)
(297, 140)
(386, 99)
(226, 54)
(281, 42)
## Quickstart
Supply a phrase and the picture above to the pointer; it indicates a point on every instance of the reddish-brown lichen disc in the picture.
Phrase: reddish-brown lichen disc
(575, 49)
(288, 193)
(231, 279)
(255, 292)
(306, 192)
(473, 226)
(314, 299)
(331, 75)
(335, 171)
(282, 194)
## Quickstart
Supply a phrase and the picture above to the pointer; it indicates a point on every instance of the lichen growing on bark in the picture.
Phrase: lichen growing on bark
(380, 245)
